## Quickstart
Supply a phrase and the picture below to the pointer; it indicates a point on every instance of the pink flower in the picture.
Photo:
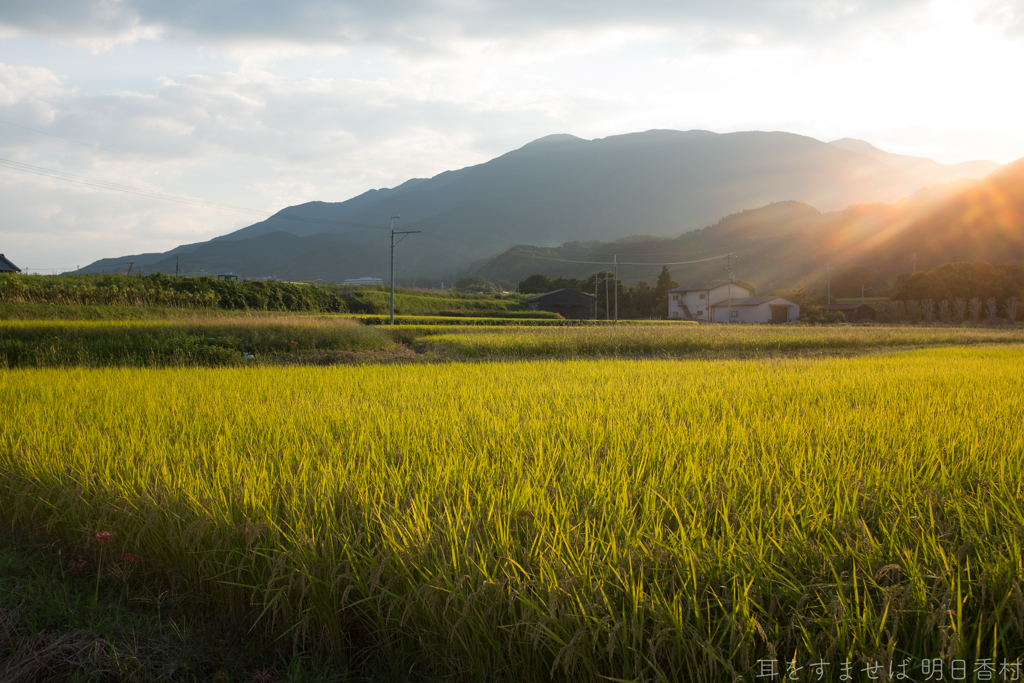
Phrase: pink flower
(105, 537)
(129, 557)
(78, 566)
(265, 676)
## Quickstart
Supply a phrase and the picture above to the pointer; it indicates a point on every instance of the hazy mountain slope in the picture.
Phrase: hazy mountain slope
(926, 170)
(554, 190)
(983, 222)
(782, 244)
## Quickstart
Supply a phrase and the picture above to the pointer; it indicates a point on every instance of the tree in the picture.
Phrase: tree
(665, 283)
(536, 284)
(643, 299)
(473, 283)
(1011, 309)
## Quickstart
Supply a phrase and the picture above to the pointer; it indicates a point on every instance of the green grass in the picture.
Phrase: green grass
(139, 622)
(43, 311)
(577, 520)
(197, 341)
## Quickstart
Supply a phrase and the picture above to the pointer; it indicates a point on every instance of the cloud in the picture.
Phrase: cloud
(433, 26)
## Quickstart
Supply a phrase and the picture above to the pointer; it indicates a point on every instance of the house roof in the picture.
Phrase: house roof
(560, 291)
(7, 266)
(704, 286)
(751, 301)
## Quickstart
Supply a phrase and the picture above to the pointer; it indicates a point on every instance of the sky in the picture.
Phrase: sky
(259, 104)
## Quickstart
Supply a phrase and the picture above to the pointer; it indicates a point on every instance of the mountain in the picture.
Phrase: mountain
(927, 171)
(554, 190)
(788, 243)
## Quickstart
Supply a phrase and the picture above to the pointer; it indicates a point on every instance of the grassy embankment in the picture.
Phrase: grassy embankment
(196, 341)
(294, 339)
(522, 521)
(107, 296)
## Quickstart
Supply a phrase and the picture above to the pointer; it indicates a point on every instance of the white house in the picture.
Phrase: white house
(694, 301)
(726, 301)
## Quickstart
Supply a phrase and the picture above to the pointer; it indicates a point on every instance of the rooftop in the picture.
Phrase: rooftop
(702, 286)
(750, 301)
(6, 265)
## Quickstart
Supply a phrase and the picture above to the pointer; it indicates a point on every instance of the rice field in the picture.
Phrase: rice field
(578, 520)
(674, 339)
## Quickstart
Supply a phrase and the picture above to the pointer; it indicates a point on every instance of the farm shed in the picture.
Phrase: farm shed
(759, 309)
(853, 313)
(694, 301)
(7, 267)
(569, 303)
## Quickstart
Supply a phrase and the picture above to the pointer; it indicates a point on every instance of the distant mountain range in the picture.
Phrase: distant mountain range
(558, 189)
(787, 243)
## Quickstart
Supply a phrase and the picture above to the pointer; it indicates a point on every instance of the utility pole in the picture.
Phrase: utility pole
(829, 269)
(393, 243)
(862, 295)
(913, 259)
(607, 308)
(517, 292)
(176, 269)
(595, 295)
(615, 271)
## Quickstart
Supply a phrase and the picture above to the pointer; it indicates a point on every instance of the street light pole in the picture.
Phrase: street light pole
(393, 243)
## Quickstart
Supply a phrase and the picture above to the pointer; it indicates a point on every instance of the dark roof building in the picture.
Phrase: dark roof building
(568, 303)
(7, 267)
(853, 313)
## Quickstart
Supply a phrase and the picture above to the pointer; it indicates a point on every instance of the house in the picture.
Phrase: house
(7, 267)
(569, 303)
(852, 313)
(694, 301)
(362, 282)
(758, 309)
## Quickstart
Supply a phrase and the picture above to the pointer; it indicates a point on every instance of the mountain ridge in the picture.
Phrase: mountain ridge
(556, 189)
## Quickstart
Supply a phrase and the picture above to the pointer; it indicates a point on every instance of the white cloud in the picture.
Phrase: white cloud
(326, 100)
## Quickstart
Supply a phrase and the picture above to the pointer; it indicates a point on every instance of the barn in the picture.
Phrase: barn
(7, 267)
(568, 303)
(758, 309)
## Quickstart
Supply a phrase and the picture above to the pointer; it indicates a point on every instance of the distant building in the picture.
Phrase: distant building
(568, 303)
(852, 313)
(726, 301)
(362, 282)
(7, 267)
(694, 301)
(758, 309)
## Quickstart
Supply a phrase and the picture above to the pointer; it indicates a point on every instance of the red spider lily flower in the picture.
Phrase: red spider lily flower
(105, 537)
(78, 566)
(129, 557)
(265, 676)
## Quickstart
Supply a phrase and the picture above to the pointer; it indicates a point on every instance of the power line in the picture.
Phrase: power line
(628, 263)
(124, 154)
